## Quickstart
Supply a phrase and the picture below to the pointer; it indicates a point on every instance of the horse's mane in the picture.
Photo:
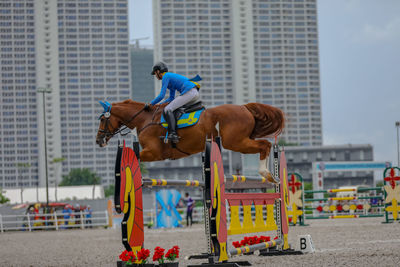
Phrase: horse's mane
(128, 102)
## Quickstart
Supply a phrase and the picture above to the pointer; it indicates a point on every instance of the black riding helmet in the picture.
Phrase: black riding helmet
(161, 66)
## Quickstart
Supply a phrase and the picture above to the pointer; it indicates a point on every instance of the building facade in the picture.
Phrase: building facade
(19, 130)
(142, 80)
(246, 51)
(76, 53)
(300, 159)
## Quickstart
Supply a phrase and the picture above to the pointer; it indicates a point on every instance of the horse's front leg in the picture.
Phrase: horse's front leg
(151, 150)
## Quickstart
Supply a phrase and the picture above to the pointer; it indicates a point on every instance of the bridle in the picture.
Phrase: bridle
(106, 131)
(108, 134)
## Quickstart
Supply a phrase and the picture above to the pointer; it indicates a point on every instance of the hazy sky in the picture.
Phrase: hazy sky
(360, 69)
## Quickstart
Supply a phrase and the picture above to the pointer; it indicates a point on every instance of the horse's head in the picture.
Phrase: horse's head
(109, 125)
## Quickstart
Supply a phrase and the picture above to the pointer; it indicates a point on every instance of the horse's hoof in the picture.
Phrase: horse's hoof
(267, 175)
(271, 179)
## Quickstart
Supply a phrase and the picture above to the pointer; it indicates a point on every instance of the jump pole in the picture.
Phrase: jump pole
(333, 208)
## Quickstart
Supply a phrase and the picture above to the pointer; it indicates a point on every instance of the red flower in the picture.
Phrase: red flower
(264, 238)
(173, 253)
(143, 254)
(236, 244)
(124, 256)
(176, 251)
(128, 256)
(158, 255)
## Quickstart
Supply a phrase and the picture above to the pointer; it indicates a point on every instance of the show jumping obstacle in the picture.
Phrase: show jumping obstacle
(128, 199)
(358, 205)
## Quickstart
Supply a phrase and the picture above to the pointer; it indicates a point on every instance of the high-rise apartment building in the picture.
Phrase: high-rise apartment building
(78, 52)
(141, 66)
(247, 50)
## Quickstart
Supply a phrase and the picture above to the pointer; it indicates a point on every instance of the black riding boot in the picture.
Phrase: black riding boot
(170, 118)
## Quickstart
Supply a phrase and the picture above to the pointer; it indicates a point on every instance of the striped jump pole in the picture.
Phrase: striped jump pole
(356, 190)
(198, 183)
(164, 182)
(343, 204)
(340, 198)
(244, 179)
(255, 247)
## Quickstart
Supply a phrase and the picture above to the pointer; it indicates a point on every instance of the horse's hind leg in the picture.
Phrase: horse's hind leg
(251, 146)
(264, 161)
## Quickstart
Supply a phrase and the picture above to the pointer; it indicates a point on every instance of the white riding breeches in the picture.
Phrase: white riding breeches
(190, 96)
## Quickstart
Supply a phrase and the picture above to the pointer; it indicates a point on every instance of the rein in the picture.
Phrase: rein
(152, 121)
(108, 133)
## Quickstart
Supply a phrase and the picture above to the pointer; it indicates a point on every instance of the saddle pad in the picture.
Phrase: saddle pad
(186, 120)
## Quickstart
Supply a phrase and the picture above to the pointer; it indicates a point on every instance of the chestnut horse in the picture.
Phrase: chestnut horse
(239, 125)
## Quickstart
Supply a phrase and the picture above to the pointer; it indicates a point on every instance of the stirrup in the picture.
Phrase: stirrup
(173, 137)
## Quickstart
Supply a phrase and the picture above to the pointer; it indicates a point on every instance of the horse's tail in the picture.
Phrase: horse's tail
(270, 120)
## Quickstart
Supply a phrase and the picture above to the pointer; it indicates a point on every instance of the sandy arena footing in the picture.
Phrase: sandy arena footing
(345, 242)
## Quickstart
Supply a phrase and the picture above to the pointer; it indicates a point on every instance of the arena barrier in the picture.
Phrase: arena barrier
(128, 199)
(358, 202)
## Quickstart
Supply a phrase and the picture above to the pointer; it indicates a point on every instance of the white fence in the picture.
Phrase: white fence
(60, 221)
(53, 221)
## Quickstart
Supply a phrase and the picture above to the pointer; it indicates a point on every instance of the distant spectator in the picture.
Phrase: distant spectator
(88, 212)
(77, 214)
(189, 210)
(31, 215)
(67, 214)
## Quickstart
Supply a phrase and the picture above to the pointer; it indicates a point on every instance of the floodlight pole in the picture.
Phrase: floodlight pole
(43, 91)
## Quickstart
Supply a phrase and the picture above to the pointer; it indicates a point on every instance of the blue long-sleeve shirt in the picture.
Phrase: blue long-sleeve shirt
(173, 82)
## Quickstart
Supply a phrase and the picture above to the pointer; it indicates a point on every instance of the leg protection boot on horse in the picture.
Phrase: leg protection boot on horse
(170, 118)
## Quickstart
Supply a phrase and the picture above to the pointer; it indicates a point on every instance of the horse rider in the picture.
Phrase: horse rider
(188, 89)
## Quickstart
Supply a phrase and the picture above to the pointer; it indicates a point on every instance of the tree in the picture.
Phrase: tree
(21, 167)
(3, 199)
(282, 142)
(57, 162)
(308, 186)
(109, 191)
(80, 177)
(143, 168)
